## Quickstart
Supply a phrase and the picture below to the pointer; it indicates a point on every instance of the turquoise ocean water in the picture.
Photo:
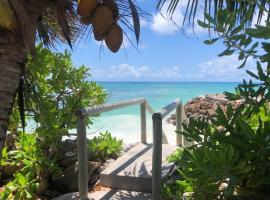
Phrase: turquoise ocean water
(125, 123)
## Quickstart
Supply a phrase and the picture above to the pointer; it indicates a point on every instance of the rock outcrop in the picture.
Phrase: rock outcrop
(206, 106)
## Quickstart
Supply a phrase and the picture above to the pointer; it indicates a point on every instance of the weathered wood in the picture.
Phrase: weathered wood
(109, 107)
(169, 108)
(149, 108)
(133, 170)
(157, 154)
(179, 121)
(143, 123)
(157, 160)
(82, 158)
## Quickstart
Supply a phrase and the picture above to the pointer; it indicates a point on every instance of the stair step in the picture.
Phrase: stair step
(133, 170)
(119, 194)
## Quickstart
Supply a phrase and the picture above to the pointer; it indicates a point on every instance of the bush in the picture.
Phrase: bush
(105, 146)
(31, 164)
(54, 88)
(228, 161)
(231, 155)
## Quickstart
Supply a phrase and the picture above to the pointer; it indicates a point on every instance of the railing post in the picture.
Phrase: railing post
(179, 120)
(82, 158)
(157, 156)
(143, 122)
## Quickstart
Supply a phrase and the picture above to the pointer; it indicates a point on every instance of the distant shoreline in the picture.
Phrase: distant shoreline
(169, 82)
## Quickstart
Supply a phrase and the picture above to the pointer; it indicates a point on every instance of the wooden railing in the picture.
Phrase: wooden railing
(158, 135)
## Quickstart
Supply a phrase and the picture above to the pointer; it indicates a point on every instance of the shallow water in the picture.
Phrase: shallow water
(125, 123)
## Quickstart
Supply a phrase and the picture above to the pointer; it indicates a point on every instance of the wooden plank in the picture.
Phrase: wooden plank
(133, 170)
(179, 121)
(157, 156)
(169, 108)
(143, 122)
(109, 107)
(106, 194)
(82, 158)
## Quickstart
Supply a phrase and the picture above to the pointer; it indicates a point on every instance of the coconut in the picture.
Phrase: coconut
(102, 21)
(114, 38)
(113, 7)
(98, 37)
(86, 7)
(86, 20)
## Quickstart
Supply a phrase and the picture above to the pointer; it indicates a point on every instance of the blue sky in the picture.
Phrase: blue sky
(165, 54)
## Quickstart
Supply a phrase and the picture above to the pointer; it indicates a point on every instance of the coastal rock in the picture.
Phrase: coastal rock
(211, 112)
(205, 107)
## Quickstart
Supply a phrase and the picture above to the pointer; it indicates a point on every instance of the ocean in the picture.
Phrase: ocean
(125, 123)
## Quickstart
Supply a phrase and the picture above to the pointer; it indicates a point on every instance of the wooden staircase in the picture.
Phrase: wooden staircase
(133, 170)
(130, 176)
(139, 173)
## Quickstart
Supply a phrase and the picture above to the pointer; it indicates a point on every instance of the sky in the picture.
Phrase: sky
(164, 53)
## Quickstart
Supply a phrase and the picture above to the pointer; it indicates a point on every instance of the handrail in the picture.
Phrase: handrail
(83, 113)
(157, 143)
(169, 108)
(109, 107)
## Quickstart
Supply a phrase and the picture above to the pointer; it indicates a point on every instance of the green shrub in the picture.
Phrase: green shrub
(234, 161)
(31, 164)
(224, 162)
(105, 146)
(54, 89)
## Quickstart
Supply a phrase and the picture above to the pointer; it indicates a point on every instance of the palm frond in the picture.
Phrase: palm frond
(260, 9)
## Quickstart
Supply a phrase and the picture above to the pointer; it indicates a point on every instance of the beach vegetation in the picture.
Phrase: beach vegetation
(23, 24)
(230, 156)
(104, 147)
(55, 89)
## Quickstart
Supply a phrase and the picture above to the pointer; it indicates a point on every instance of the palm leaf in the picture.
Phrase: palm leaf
(259, 9)
(136, 20)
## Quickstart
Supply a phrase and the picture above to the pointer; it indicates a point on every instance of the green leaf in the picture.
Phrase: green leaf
(28, 195)
(259, 32)
(209, 18)
(252, 74)
(227, 52)
(243, 63)
(212, 41)
(21, 179)
(136, 20)
(203, 24)
(241, 55)
(237, 29)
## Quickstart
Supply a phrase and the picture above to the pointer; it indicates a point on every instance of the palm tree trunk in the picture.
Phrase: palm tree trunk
(12, 54)
(14, 46)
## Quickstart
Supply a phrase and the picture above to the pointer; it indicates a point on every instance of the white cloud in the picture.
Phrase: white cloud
(125, 72)
(224, 69)
(217, 69)
(166, 25)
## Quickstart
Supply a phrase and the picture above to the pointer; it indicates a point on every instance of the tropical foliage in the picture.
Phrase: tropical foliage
(22, 23)
(104, 146)
(55, 88)
(32, 168)
(230, 155)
